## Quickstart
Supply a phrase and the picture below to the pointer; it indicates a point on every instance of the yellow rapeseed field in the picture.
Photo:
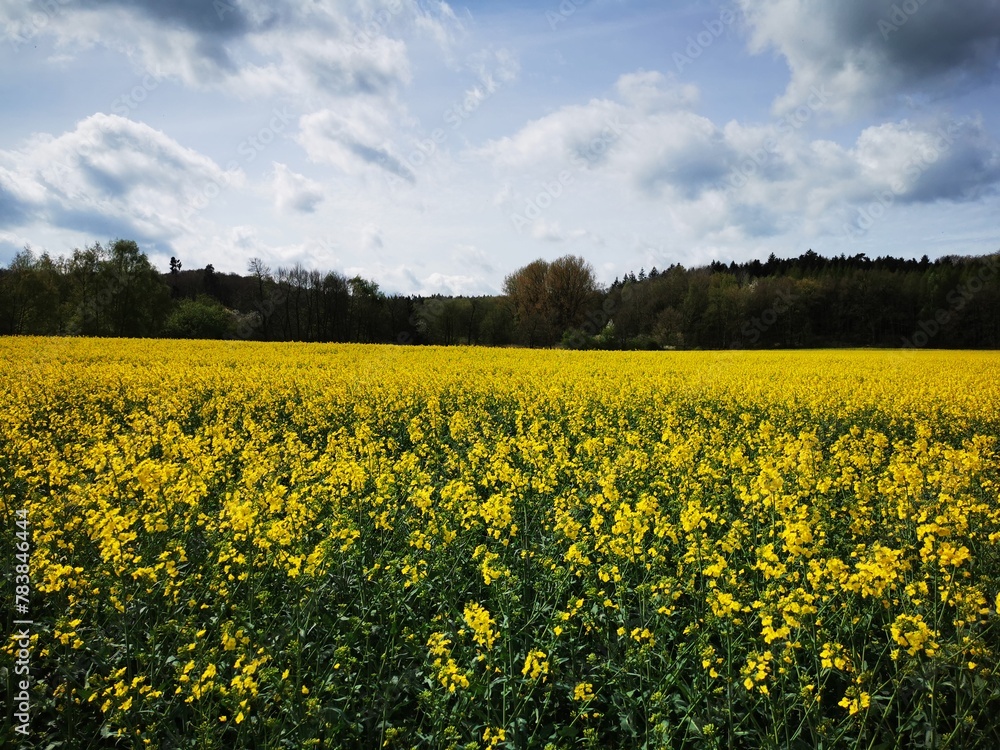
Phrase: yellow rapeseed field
(251, 545)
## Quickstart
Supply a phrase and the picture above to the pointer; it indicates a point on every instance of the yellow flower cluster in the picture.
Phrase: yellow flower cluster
(478, 618)
(535, 665)
(755, 672)
(584, 691)
(493, 737)
(855, 700)
(230, 522)
(913, 634)
(448, 672)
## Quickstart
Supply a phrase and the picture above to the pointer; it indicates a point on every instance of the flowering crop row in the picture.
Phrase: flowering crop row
(251, 545)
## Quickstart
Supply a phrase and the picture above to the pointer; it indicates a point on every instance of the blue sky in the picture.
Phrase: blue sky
(436, 147)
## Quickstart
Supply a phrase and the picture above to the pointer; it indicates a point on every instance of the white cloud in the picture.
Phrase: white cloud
(584, 134)
(919, 164)
(357, 139)
(869, 51)
(325, 67)
(614, 154)
(295, 193)
(726, 183)
(113, 174)
(252, 48)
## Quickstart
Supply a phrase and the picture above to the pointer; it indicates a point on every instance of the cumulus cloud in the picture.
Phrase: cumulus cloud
(295, 193)
(649, 133)
(727, 181)
(15, 203)
(355, 139)
(870, 51)
(110, 175)
(638, 161)
(581, 134)
(248, 48)
(955, 161)
(682, 150)
(332, 67)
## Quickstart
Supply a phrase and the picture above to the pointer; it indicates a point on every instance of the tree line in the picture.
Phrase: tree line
(808, 301)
